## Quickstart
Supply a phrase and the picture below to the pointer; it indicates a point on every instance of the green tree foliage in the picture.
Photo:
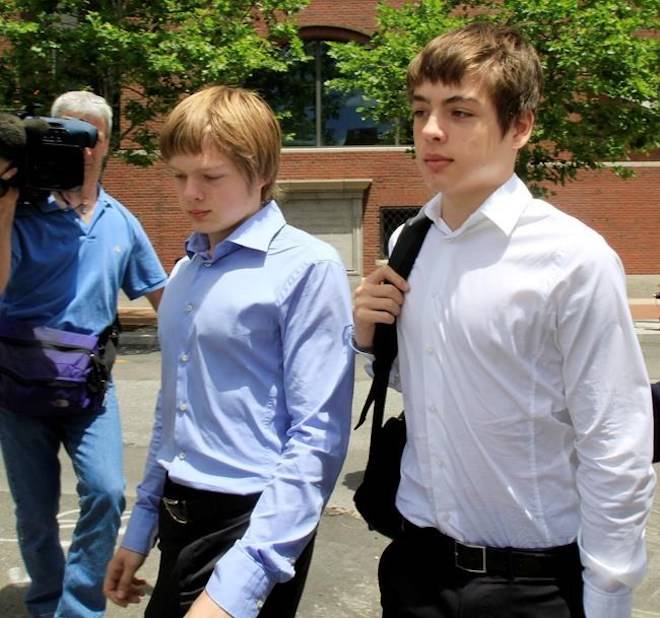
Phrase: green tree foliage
(141, 55)
(600, 66)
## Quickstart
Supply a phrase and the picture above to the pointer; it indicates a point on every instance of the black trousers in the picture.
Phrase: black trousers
(189, 551)
(418, 578)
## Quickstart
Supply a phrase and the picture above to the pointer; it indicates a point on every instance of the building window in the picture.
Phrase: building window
(390, 219)
(313, 115)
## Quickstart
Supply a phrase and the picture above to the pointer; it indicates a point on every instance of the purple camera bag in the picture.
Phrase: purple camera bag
(45, 371)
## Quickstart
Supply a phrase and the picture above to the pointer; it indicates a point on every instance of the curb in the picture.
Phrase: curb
(144, 339)
(139, 340)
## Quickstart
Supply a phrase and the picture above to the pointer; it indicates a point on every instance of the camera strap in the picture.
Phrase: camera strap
(81, 208)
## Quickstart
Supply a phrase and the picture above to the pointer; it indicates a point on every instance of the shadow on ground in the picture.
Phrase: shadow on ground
(11, 602)
(352, 480)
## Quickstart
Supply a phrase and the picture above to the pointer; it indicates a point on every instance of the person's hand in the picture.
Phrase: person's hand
(205, 607)
(120, 585)
(377, 300)
(8, 194)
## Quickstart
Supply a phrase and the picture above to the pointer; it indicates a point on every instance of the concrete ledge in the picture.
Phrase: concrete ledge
(645, 310)
(642, 286)
(139, 323)
(135, 317)
(139, 340)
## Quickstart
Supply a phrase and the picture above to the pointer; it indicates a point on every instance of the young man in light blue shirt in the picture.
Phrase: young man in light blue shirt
(253, 417)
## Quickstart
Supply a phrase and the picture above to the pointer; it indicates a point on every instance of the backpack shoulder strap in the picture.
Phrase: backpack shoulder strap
(385, 345)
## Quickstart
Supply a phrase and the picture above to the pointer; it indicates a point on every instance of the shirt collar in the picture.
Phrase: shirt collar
(256, 233)
(503, 207)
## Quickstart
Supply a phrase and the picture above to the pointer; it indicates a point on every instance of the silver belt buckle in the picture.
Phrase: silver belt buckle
(176, 510)
(472, 568)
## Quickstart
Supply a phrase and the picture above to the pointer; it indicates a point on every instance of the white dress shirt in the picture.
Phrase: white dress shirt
(527, 399)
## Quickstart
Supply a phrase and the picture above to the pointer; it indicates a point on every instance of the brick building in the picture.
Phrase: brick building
(345, 184)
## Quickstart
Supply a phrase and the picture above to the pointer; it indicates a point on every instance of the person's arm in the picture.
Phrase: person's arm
(121, 586)
(7, 211)
(205, 607)
(318, 384)
(608, 398)
(144, 274)
(142, 525)
(377, 300)
(154, 297)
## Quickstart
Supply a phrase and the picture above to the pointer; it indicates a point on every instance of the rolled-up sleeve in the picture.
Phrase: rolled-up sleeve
(608, 397)
(318, 383)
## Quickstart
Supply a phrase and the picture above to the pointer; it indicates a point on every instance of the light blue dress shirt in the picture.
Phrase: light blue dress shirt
(67, 273)
(257, 382)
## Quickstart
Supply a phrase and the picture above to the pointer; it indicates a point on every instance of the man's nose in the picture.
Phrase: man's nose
(434, 129)
(192, 191)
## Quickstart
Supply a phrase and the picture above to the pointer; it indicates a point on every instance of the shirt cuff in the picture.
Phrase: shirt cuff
(368, 352)
(239, 585)
(599, 604)
(140, 533)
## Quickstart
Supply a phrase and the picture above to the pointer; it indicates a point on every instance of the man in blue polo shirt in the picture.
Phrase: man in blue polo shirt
(62, 263)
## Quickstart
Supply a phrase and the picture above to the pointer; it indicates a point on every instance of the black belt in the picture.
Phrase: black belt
(187, 505)
(507, 561)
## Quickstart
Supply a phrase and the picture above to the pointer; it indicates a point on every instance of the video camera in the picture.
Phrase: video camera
(47, 152)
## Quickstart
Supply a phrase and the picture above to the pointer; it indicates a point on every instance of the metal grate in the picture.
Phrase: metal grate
(390, 219)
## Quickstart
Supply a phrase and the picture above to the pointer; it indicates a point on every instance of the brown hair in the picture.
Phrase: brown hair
(238, 123)
(499, 56)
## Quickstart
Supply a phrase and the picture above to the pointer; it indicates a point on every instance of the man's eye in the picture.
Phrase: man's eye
(459, 113)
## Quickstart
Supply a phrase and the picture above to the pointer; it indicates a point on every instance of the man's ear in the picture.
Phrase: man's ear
(522, 129)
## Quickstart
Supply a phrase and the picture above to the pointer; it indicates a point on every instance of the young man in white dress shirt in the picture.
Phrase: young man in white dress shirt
(526, 481)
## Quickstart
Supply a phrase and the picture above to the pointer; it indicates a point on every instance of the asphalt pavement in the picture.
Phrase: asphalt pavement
(342, 580)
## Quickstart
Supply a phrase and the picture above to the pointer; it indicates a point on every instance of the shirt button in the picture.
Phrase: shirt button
(428, 349)
(189, 308)
(182, 455)
(260, 604)
(184, 358)
(183, 407)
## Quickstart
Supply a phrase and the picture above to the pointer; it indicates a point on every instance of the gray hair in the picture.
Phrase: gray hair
(84, 103)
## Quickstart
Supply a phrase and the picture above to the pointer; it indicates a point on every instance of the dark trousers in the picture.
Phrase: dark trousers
(418, 578)
(189, 551)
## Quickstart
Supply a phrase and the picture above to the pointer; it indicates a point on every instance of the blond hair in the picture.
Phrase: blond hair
(238, 123)
(506, 63)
